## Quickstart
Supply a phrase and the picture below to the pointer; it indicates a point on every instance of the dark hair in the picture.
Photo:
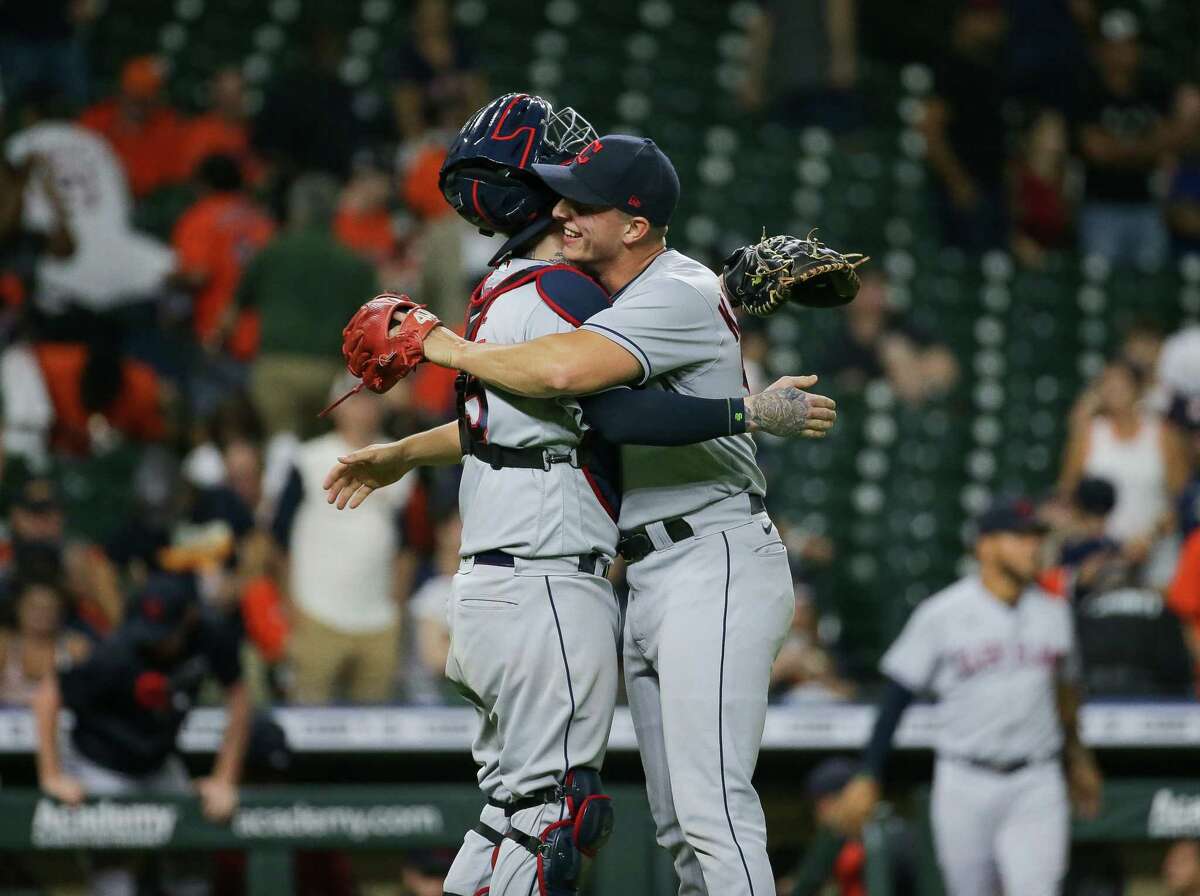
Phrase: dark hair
(1095, 496)
(220, 172)
(236, 419)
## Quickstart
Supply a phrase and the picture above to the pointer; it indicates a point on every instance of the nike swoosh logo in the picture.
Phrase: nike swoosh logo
(766, 527)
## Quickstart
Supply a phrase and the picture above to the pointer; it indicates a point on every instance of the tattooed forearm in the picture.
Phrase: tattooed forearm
(780, 412)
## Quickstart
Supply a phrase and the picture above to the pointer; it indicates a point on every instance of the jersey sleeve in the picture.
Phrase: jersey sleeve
(913, 657)
(665, 327)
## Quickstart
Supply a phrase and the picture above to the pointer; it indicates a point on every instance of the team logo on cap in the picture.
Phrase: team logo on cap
(151, 690)
(635, 202)
(585, 154)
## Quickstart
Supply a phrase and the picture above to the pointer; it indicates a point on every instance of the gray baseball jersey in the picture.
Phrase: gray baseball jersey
(672, 318)
(993, 668)
(533, 513)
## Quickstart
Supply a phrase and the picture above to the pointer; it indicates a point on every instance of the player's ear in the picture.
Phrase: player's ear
(636, 230)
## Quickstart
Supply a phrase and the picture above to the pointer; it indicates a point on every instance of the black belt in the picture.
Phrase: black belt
(636, 544)
(499, 456)
(1003, 768)
(595, 563)
(546, 795)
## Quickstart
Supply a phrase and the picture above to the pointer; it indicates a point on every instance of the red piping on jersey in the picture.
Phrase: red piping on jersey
(483, 299)
(531, 132)
(587, 474)
(730, 322)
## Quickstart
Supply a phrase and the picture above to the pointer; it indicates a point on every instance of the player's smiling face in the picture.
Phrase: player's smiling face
(591, 234)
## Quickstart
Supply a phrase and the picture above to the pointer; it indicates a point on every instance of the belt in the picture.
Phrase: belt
(637, 544)
(595, 564)
(499, 456)
(1003, 768)
(546, 795)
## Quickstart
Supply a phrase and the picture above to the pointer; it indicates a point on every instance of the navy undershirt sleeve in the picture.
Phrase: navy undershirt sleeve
(658, 417)
(896, 698)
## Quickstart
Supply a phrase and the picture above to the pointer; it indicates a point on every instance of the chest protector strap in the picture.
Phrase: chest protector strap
(472, 437)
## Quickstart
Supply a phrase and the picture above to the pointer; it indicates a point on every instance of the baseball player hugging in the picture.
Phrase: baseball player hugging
(1000, 656)
(535, 626)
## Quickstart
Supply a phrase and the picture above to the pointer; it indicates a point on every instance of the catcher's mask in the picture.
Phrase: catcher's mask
(487, 176)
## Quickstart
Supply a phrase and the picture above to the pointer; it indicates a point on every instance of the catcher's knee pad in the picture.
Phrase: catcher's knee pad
(563, 845)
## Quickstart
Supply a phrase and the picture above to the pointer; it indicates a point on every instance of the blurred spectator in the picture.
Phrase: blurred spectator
(304, 286)
(130, 698)
(36, 535)
(1111, 437)
(97, 394)
(1131, 643)
(1183, 196)
(1123, 135)
(1085, 545)
(425, 871)
(224, 129)
(22, 246)
(1141, 346)
(875, 341)
(803, 671)
(427, 609)
(37, 549)
(40, 44)
(37, 642)
(307, 120)
(810, 50)
(1042, 215)
(235, 420)
(214, 240)
(144, 131)
(364, 220)
(1181, 869)
(965, 131)
(1047, 50)
(345, 579)
(436, 83)
(832, 858)
(112, 265)
(204, 534)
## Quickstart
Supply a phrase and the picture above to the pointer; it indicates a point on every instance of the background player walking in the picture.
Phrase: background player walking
(1000, 655)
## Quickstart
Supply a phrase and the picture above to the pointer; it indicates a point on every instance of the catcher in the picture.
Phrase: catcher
(709, 498)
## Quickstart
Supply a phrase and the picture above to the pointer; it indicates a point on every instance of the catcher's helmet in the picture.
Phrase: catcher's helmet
(487, 176)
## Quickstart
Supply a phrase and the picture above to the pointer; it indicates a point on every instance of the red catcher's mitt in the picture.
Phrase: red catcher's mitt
(376, 355)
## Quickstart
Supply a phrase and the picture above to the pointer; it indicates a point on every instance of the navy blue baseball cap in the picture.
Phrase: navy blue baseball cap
(163, 604)
(1010, 515)
(618, 171)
